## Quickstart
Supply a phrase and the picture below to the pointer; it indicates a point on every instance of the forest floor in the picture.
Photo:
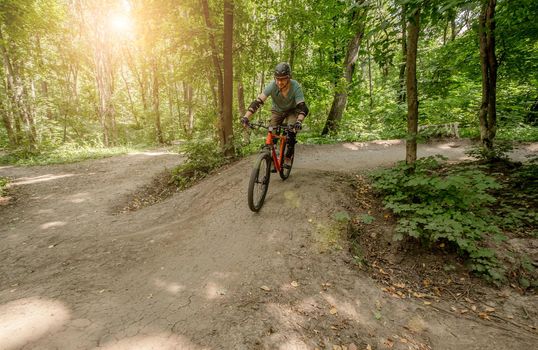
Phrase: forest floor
(80, 269)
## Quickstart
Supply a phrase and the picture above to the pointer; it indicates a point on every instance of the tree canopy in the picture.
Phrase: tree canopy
(147, 72)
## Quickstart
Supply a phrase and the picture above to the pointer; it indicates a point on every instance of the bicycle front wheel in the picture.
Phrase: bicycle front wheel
(259, 181)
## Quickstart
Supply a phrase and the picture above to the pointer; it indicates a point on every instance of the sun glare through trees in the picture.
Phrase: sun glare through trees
(121, 72)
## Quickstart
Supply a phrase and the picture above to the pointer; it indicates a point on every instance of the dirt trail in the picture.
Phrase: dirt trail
(200, 271)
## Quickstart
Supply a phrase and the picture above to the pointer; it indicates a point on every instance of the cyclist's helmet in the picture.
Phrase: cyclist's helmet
(282, 70)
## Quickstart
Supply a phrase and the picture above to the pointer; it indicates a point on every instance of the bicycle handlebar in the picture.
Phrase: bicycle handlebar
(271, 128)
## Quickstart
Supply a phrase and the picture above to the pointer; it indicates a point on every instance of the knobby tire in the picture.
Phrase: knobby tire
(259, 181)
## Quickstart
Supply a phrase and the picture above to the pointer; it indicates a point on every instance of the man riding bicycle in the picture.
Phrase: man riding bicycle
(288, 103)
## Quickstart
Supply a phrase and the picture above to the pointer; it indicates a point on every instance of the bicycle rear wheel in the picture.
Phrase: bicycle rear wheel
(259, 181)
(285, 169)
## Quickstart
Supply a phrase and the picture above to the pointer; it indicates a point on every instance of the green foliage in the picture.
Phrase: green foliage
(500, 151)
(203, 156)
(516, 211)
(519, 132)
(435, 204)
(366, 219)
(342, 216)
(3, 184)
(67, 153)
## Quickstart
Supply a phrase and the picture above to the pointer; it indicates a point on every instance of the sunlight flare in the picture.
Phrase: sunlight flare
(25, 320)
(121, 24)
(37, 179)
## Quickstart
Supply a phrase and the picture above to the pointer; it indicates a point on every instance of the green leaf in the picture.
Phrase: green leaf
(367, 219)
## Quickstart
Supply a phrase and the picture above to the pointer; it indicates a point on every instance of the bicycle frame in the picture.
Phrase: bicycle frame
(261, 172)
(278, 160)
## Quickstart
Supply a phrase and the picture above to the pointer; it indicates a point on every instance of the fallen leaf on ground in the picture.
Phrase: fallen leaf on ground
(426, 282)
(265, 288)
(483, 316)
(427, 303)
(333, 311)
(294, 284)
(489, 309)
(389, 343)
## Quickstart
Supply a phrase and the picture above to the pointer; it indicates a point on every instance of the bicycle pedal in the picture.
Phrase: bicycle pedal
(273, 170)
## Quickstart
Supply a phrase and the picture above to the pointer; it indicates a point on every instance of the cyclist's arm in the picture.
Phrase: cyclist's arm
(300, 104)
(303, 111)
(257, 103)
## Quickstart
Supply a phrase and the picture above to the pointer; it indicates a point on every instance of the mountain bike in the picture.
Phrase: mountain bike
(273, 152)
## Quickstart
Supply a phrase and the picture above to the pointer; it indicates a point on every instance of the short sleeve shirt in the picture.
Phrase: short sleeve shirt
(281, 103)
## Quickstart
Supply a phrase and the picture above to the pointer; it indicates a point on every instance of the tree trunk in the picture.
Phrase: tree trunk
(227, 115)
(141, 80)
(241, 98)
(370, 85)
(131, 101)
(293, 49)
(412, 93)
(340, 97)
(453, 30)
(488, 61)
(187, 94)
(8, 125)
(532, 117)
(156, 103)
(104, 96)
(44, 87)
(16, 92)
(401, 93)
(216, 64)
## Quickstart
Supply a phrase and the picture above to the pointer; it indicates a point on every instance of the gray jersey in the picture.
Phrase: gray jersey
(281, 103)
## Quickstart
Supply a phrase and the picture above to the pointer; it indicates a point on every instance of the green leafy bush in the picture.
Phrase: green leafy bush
(3, 185)
(439, 205)
(515, 212)
(499, 151)
(203, 156)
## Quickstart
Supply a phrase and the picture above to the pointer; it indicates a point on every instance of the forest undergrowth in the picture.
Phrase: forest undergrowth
(448, 228)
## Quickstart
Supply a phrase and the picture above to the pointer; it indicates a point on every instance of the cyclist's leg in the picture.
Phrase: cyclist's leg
(276, 119)
(292, 140)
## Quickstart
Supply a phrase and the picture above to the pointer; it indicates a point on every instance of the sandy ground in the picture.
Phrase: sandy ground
(201, 271)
